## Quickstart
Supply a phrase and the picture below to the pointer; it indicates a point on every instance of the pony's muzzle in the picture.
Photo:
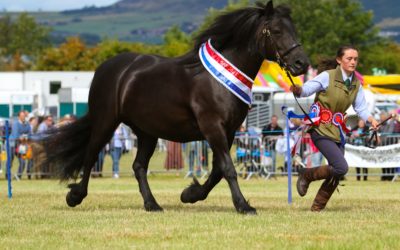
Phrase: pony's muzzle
(300, 66)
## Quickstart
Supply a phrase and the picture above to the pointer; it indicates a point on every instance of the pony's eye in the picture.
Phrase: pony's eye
(276, 32)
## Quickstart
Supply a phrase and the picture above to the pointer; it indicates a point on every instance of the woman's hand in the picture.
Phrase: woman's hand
(374, 123)
(296, 90)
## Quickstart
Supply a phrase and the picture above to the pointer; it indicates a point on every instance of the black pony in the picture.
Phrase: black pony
(176, 99)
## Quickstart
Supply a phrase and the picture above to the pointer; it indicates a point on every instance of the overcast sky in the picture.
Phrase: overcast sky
(50, 5)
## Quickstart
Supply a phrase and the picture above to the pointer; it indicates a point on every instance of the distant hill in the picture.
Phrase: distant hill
(382, 8)
(151, 7)
(386, 16)
(128, 20)
(147, 20)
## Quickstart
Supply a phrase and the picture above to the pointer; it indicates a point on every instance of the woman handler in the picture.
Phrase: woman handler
(336, 89)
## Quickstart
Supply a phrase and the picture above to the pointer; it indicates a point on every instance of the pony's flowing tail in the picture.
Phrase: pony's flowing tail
(66, 147)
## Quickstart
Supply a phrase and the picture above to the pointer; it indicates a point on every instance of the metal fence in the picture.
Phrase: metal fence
(266, 157)
(249, 156)
(252, 155)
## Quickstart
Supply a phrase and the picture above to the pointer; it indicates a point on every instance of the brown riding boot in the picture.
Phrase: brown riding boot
(324, 194)
(307, 175)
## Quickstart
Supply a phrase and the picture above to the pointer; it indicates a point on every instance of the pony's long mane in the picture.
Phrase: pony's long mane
(239, 28)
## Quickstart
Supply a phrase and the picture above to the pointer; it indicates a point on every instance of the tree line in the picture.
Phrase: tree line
(322, 27)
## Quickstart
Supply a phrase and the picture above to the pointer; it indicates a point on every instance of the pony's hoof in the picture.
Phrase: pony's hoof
(75, 196)
(73, 200)
(193, 193)
(152, 207)
(186, 196)
(250, 211)
(246, 209)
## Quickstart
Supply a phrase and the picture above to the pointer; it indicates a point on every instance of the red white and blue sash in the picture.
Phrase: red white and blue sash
(226, 73)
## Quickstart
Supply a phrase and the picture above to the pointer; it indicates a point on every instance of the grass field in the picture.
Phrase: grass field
(364, 215)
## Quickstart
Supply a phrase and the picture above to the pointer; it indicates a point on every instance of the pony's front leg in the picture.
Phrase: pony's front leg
(229, 173)
(146, 146)
(222, 167)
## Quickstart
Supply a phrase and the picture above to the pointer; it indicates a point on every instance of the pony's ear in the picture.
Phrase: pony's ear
(269, 9)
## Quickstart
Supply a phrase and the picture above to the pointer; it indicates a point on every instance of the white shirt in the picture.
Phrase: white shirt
(321, 83)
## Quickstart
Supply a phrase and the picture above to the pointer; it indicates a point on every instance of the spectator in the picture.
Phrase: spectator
(33, 122)
(385, 130)
(281, 148)
(270, 134)
(316, 157)
(312, 150)
(2, 140)
(254, 147)
(98, 166)
(24, 153)
(45, 125)
(174, 159)
(396, 120)
(116, 147)
(20, 127)
(194, 158)
(66, 120)
(358, 134)
(204, 155)
(242, 144)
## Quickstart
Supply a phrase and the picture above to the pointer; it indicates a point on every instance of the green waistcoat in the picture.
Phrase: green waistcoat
(336, 98)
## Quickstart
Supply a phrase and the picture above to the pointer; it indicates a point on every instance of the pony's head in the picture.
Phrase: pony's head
(263, 31)
(277, 39)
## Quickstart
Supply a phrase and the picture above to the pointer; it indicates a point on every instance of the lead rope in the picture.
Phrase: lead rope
(375, 133)
(283, 65)
(304, 112)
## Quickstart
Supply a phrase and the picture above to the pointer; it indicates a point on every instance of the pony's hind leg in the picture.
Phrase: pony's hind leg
(146, 146)
(196, 192)
(78, 191)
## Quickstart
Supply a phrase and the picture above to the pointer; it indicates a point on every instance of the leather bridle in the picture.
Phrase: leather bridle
(282, 63)
(279, 56)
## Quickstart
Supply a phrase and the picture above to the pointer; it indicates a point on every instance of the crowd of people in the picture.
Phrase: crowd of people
(388, 134)
(274, 142)
(24, 131)
(26, 128)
